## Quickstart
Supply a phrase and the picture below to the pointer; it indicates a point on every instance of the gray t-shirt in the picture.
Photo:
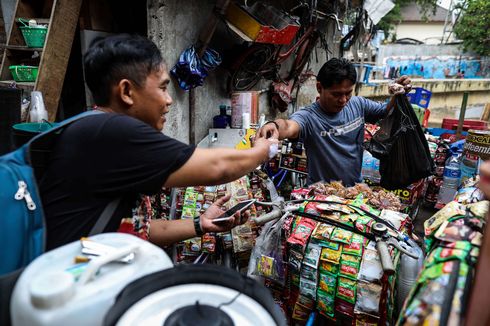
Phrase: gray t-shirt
(333, 142)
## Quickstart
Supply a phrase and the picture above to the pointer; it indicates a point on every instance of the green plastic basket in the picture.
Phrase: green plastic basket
(34, 36)
(24, 73)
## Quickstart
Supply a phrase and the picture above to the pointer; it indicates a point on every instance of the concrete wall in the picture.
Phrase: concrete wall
(174, 25)
(429, 33)
(447, 95)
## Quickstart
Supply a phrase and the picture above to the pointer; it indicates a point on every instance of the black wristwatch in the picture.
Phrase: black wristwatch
(197, 226)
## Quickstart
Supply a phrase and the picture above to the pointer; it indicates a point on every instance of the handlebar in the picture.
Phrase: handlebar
(384, 256)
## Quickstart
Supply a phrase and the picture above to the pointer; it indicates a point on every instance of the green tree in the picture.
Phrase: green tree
(394, 17)
(473, 28)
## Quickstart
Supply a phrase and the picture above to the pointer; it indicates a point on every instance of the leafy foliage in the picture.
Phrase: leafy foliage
(394, 17)
(473, 28)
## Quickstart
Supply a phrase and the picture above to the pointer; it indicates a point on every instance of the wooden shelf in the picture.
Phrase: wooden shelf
(20, 48)
(21, 85)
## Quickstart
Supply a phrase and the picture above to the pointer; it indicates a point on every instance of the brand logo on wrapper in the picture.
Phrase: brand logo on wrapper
(478, 143)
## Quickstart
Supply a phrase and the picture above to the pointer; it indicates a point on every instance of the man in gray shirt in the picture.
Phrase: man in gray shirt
(332, 128)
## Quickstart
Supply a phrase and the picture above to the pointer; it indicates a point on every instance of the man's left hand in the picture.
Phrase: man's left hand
(405, 82)
(215, 211)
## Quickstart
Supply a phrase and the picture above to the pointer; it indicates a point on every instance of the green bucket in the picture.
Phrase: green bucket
(23, 132)
(35, 36)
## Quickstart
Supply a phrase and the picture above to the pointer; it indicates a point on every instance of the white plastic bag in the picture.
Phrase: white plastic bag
(37, 112)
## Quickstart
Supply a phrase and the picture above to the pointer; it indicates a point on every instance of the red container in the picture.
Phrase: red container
(452, 124)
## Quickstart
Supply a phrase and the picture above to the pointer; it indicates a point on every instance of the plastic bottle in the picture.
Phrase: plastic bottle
(452, 178)
(376, 176)
(469, 166)
(221, 120)
(367, 165)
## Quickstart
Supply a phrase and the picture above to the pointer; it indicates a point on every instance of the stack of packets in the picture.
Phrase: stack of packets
(193, 201)
(332, 270)
(452, 238)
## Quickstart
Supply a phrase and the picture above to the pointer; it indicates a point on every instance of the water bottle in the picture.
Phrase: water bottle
(376, 176)
(469, 166)
(367, 165)
(452, 178)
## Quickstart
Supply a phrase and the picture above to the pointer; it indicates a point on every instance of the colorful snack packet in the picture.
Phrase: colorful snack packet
(349, 266)
(322, 232)
(300, 312)
(325, 303)
(368, 297)
(346, 290)
(307, 288)
(328, 267)
(330, 255)
(327, 283)
(371, 269)
(309, 273)
(312, 255)
(355, 247)
(341, 235)
(302, 232)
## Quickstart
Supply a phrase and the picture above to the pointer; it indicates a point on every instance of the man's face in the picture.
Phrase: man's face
(152, 100)
(334, 98)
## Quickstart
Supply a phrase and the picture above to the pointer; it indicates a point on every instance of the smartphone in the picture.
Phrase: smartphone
(228, 215)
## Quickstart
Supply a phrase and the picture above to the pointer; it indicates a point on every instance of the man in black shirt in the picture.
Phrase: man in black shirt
(121, 152)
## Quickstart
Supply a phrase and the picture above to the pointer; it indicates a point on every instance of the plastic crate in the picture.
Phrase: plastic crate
(421, 97)
(452, 124)
(24, 73)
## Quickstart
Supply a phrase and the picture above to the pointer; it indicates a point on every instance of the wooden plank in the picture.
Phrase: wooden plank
(22, 85)
(486, 113)
(54, 59)
(20, 48)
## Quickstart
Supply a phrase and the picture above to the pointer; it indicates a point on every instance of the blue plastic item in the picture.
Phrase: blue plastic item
(439, 131)
(421, 97)
(22, 219)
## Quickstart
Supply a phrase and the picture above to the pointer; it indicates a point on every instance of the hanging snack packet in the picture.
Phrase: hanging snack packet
(364, 223)
(480, 209)
(307, 288)
(355, 247)
(368, 296)
(328, 267)
(327, 283)
(325, 303)
(300, 312)
(346, 290)
(349, 266)
(309, 273)
(302, 232)
(330, 255)
(341, 235)
(451, 209)
(322, 232)
(295, 260)
(208, 243)
(371, 269)
(312, 255)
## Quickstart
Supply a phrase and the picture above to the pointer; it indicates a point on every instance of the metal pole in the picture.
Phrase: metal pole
(461, 115)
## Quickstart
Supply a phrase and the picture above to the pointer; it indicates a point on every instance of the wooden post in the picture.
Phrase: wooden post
(486, 113)
(462, 113)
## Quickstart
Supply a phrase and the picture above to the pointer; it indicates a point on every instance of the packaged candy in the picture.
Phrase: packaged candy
(341, 235)
(451, 209)
(325, 303)
(346, 290)
(295, 260)
(368, 296)
(331, 268)
(330, 255)
(265, 266)
(192, 247)
(327, 283)
(349, 266)
(312, 255)
(301, 193)
(355, 247)
(364, 223)
(300, 312)
(188, 212)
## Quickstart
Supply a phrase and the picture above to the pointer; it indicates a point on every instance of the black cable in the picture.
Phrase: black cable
(229, 302)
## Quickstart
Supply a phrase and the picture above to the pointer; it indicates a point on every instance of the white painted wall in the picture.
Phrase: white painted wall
(429, 33)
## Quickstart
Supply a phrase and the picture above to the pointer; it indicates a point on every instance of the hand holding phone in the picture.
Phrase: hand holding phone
(228, 215)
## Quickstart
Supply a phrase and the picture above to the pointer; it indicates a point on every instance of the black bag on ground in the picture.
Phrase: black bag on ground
(401, 147)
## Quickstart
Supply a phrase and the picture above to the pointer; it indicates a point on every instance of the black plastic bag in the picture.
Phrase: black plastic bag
(401, 147)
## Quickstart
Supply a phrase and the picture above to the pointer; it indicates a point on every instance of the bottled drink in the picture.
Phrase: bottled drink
(451, 179)
(221, 120)
(367, 165)
(469, 166)
(376, 176)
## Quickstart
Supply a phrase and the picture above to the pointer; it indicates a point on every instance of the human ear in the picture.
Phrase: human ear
(319, 87)
(125, 91)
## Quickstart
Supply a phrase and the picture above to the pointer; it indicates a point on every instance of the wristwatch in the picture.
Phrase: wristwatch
(275, 123)
(197, 226)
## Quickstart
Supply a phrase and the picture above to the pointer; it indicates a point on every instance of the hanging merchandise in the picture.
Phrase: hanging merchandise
(190, 71)
(37, 112)
(401, 147)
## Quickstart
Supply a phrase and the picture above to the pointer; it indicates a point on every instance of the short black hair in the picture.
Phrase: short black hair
(123, 56)
(335, 70)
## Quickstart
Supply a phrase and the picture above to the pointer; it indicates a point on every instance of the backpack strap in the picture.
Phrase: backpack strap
(105, 217)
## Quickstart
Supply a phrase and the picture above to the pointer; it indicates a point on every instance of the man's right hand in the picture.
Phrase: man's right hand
(269, 130)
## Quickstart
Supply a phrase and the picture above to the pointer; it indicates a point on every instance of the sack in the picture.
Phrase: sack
(22, 227)
(401, 147)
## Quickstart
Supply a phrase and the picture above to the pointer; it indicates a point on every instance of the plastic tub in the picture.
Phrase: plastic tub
(23, 132)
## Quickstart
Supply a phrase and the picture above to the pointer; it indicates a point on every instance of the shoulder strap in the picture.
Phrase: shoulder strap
(105, 217)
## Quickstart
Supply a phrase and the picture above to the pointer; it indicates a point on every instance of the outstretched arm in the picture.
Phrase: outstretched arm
(279, 129)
